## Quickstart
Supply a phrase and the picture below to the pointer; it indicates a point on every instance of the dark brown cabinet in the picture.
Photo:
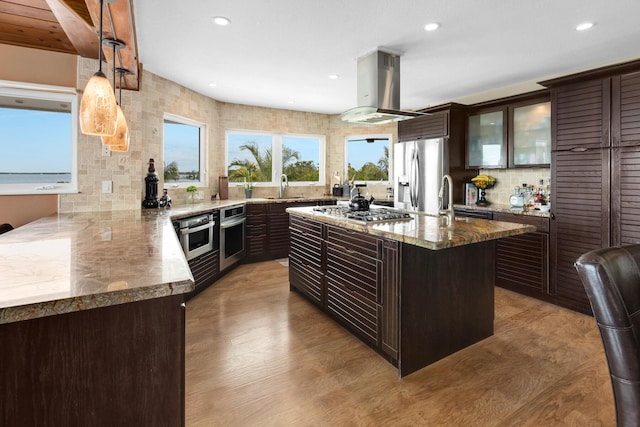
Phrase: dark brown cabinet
(353, 281)
(306, 259)
(278, 230)
(596, 138)
(352, 276)
(256, 229)
(522, 262)
(268, 229)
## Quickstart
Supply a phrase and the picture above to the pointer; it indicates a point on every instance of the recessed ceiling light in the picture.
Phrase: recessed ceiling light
(212, 85)
(291, 101)
(584, 26)
(334, 76)
(221, 20)
(431, 26)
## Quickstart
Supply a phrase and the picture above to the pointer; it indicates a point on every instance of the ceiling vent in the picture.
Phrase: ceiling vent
(378, 91)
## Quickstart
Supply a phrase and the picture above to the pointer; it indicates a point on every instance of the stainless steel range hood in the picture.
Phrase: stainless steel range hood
(378, 91)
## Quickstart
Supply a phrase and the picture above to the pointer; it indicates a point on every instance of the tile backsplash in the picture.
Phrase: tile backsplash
(508, 179)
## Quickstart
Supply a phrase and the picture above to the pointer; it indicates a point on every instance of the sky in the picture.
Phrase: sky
(182, 145)
(34, 141)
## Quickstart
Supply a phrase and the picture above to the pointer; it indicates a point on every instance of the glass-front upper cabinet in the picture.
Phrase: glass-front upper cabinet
(530, 135)
(487, 147)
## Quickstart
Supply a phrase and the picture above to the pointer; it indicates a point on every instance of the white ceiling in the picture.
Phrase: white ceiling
(276, 51)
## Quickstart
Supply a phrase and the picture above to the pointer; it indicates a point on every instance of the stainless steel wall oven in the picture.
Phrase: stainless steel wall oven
(232, 235)
(196, 235)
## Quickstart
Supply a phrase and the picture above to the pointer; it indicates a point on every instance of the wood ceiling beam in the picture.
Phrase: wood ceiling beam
(80, 34)
(118, 23)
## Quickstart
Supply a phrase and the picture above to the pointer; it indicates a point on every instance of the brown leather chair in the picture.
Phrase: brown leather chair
(611, 278)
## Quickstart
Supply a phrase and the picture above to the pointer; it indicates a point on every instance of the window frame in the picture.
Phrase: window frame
(202, 182)
(345, 170)
(49, 93)
(276, 151)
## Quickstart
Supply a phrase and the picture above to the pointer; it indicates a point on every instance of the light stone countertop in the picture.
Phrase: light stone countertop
(426, 231)
(70, 262)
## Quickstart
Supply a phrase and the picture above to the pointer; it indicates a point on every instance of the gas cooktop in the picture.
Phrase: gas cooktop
(370, 216)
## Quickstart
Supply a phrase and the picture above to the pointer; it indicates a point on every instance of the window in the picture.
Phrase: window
(38, 139)
(184, 152)
(367, 158)
(261, 158)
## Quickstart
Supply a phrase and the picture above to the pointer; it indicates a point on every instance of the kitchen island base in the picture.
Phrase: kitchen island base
(116, 365)
(446, 302)
(412, 304)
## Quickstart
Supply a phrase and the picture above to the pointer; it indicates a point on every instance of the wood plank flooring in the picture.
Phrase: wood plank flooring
(259, 355)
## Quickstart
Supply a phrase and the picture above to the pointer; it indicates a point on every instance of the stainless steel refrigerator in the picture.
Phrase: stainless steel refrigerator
(418, 169)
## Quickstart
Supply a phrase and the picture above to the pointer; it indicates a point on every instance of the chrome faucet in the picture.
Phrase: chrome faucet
(448, 211)
(284, 182)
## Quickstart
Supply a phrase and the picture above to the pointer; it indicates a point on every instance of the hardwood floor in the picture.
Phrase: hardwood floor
(259, 355)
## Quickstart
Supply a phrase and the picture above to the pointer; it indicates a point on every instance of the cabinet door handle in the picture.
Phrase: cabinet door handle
(552, 216)
(579, 149)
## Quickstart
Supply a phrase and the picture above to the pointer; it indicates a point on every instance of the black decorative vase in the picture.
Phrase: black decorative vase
(151, 187)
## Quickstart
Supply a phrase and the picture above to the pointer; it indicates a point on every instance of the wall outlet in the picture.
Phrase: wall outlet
(106, 152)
(107, 186)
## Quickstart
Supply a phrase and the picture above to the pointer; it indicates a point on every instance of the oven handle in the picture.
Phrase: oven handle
(185, 231)
(233, 223)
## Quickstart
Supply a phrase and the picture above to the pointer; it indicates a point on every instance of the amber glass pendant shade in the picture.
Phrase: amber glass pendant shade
(98, 107)
(119, 141)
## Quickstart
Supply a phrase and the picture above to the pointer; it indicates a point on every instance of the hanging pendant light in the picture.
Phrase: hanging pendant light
(98, 108)
(119, 141)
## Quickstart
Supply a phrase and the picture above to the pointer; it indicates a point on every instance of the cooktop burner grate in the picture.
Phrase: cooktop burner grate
(372, 215)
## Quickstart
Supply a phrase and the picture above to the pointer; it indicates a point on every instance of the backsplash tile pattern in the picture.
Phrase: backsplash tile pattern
(508, 179)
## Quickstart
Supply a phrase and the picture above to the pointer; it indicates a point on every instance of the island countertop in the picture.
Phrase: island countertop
(426, 231)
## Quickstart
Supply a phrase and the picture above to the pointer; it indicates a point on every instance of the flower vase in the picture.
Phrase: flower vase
(191, 197)
(248, 192)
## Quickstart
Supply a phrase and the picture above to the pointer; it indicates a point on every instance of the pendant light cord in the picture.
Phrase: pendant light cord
(114, 70)
(100, 47)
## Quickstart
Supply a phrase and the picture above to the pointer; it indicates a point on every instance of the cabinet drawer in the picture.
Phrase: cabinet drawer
(307, 248)
(354, 241)
(256, 209)
(358, 314)
(362, 273)
(305, 226)
(305, 278)
(541, 224)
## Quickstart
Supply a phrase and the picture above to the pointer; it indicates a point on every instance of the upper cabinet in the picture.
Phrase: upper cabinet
(530, 134)
(513, 132)
(486, 141)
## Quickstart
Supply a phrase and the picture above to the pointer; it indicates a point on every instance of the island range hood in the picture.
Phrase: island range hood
(378, 91)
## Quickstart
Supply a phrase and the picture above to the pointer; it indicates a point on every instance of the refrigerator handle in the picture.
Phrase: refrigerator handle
(415, 179)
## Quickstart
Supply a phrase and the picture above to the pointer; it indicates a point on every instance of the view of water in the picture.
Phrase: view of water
(34, 178)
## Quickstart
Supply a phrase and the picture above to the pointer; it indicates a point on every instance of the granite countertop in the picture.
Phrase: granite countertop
(504, 208)
(70, 262)
(425, 230)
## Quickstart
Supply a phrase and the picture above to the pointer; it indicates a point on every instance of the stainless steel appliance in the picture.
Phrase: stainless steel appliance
(232, 235)
(372, 215)
(418, 170)
(196, 234)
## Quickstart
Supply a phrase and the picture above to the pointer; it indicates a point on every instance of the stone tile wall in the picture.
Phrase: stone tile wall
(144, 112)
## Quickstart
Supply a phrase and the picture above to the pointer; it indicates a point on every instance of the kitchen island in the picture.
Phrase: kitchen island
(414, 290)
